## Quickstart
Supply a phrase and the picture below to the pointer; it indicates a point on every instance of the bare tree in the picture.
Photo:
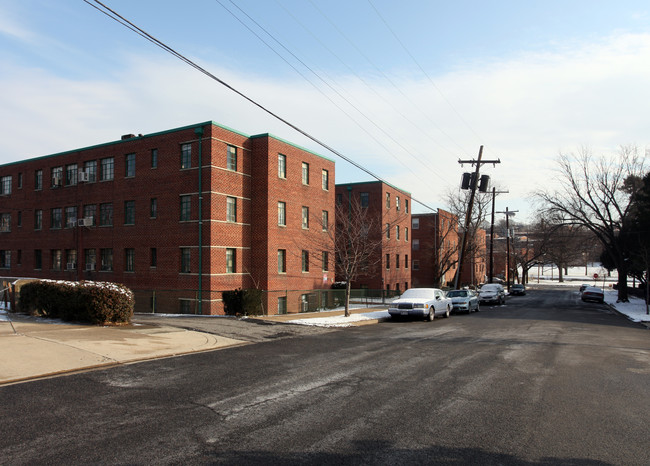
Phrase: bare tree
(591, 193)
(357, 241)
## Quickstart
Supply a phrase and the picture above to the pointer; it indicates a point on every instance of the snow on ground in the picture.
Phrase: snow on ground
(341, 321)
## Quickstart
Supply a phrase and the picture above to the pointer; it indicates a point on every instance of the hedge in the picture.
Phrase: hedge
(243, 302)
(85, 301)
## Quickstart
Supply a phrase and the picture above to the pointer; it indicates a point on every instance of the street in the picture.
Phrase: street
(544, 379)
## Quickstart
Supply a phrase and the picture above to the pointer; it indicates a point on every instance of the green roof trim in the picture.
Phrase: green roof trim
(373, 182)
(269, 135)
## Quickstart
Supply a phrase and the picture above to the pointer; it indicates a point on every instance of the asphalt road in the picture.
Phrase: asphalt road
(544, 379)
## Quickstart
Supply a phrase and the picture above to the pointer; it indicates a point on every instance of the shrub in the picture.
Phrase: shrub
(93, 302)
(242, 302)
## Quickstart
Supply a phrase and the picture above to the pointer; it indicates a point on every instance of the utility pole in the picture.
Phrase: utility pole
(470, 206)
(508, 214)
(491, 270)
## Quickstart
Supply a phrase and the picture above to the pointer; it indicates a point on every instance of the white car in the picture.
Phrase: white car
(492, 293)
(421, 302)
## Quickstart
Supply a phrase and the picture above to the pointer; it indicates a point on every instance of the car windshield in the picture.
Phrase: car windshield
(517, 286)
(458, 294)
(418, 293)
(489, 287)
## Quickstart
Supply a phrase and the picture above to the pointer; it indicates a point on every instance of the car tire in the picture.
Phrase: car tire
(448, 313)
(432, 314)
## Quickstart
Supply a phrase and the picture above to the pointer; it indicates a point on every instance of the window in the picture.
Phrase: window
(55, 218)
(20, 181)
(38, 259)
(305, 173)
(387, 261)
(5, 222)
(90, 167)
(90, 210)
(129, 260)
(406, 205)
(388, 230)
(185, 260)
(282, 166)
(415, 223)
(153, 207)
(153, 257)
(20, 219)
(282, 261)
(365, 200)
(107, 169)
(5, 259)
(38, 219)
(106, 214)
(326, 221)
(406, 233)
(71, 217)
(397, 261)
(70, 259)
(231, 209)
(231, 158)
(339, 199)
(186, 210)
(154, 158)
(415, 244)
(305, 218)
(38, 180)
(305, 261)
(282, 305)
(56, 259)
(325, 259)
(397, 232)
(129, 165)
(406, 261)
(129, 212)
(416, 265)
(326, 180)
(57, 177)
(71, 174)
(5, 185)
(388, 200)
(230, 260)
(397, 206)
(90, 259)
(282, 213)
(107, 259)
(186, 155)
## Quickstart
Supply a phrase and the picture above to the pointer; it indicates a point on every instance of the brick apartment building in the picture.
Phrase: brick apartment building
(178, 216)
(435, 249)
(390, 206)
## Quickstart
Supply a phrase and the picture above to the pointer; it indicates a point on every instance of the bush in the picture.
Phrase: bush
(242, 302)
(93, 302)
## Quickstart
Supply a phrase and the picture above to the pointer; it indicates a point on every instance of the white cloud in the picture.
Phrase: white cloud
(526, 108)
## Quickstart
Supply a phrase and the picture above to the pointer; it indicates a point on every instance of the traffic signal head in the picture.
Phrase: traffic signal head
(483, 183)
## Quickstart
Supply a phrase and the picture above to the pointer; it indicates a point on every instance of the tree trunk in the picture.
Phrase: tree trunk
(559, 273)
(347, 298)
(622, 283)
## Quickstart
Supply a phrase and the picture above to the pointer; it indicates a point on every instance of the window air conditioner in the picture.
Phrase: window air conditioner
(90, 266)
(56, 181)
(83, 176)
(71, 266)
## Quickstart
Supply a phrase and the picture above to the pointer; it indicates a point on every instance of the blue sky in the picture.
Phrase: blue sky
(403, 88)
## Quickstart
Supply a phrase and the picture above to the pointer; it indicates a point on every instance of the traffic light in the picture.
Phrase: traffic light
(467, 181)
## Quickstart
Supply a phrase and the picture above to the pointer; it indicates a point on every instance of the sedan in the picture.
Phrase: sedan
(592, 293)
(464, 300)
(518, 289)
(421, 302)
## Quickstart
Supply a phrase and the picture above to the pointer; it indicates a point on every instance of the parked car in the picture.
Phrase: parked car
(492, 293)
(518, 289)
(421, 302)
(583, 286)
(592, 293)
(464, 300)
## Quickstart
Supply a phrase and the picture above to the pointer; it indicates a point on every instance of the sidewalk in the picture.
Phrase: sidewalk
(30, 349)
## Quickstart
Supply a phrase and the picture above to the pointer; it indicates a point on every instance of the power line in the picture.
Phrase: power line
(131, 26)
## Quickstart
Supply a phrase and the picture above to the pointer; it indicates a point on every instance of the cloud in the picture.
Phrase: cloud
(524, 109)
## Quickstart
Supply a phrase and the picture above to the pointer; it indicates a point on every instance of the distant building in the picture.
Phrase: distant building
(434, 249)
(475, 261)
(391, 206)
(178, 216)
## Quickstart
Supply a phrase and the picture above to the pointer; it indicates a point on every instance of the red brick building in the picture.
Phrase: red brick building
(434, 249)
(178, 216)
(475, 263)
(390, 206)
